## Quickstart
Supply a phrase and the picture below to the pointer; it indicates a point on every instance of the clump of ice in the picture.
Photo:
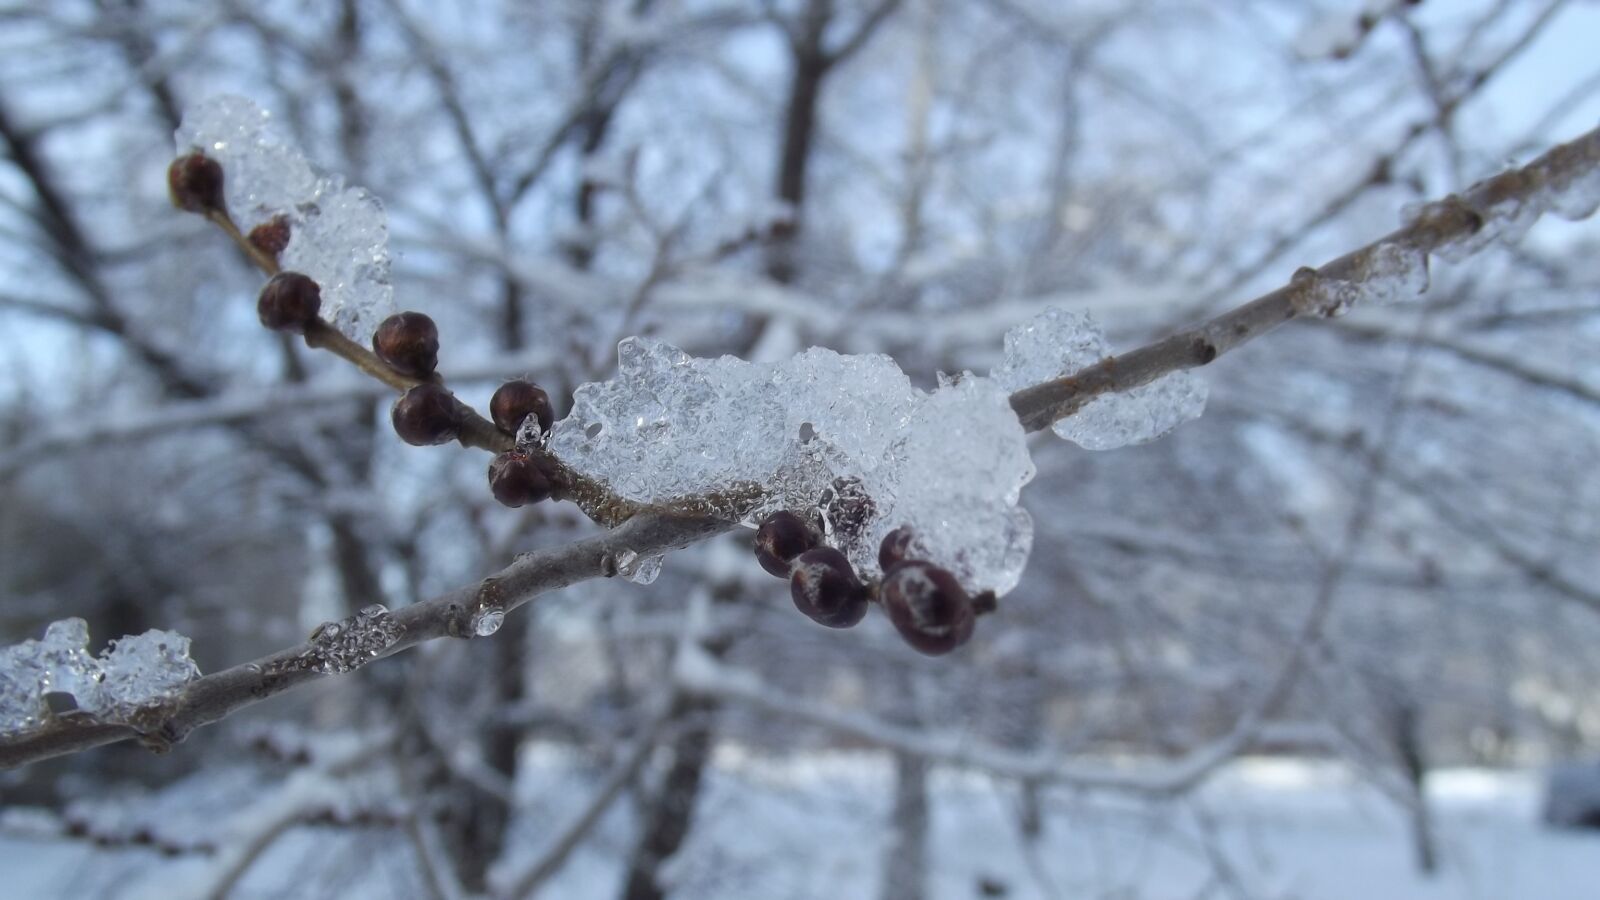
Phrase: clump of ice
(58, 676)
(338, 234)
(846, 439)
(68, 668)
(1057, 343)
(21, 676)
(146, 668)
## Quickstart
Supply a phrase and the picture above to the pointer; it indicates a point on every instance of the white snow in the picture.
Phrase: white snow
(817, 825)
(338, 234)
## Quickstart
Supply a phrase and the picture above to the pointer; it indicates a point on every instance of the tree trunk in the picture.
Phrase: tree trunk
(906, 860)
(1414, 764)
(670, 815)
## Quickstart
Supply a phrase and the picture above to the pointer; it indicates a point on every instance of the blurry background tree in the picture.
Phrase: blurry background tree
(1400, 505)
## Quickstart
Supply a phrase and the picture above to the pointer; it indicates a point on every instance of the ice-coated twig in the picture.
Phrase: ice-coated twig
(212, 697)
(1452, 224)
(1449, 222)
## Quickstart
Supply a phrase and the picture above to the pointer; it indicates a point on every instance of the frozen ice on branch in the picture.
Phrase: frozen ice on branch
(846, 439)
(56, 676)
(1057, 343)
(849, 442)
(1565, 182)
(338, 234)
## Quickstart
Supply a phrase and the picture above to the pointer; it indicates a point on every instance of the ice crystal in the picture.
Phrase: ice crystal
(57, 676)
(1057, 343)
(68, 667)
(350, 643)
(338, 234)
(21, 700)
(847, 437)
(146, 669)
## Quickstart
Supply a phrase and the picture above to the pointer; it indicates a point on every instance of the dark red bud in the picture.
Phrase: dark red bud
(514, 401)
(194, 181)
(427, 414)
(517, 480)
(928, 607)
(271, 236)
(782, 537)
(826, 589)
(896, 547)
(289, 302)
(409, 343)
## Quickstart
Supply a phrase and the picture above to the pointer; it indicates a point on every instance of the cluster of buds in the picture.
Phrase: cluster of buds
(518, 477)
(407, 343)
(925, 603)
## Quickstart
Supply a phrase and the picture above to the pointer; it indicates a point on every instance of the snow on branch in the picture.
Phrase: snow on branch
(1565, 180)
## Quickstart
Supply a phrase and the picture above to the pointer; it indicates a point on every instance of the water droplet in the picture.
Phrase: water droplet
(642, 569)
(487, 621)
(346, 645)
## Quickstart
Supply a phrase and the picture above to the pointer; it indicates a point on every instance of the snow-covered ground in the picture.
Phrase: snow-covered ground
(818, 827)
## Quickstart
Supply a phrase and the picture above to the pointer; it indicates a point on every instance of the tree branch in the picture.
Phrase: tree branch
(649, 533)
(1454, 219)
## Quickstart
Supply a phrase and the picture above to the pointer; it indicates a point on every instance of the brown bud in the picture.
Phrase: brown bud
(895, 548)
(194, 181)
(517, 480)
(409, 343)
(289, 302)
(782, 537)
(426, 414)
(825, 588)
(271, 236)
(514, 401)
(928, 607)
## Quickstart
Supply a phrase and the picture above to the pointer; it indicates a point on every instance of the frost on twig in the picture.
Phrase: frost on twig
(338, 234)
(57, 679)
